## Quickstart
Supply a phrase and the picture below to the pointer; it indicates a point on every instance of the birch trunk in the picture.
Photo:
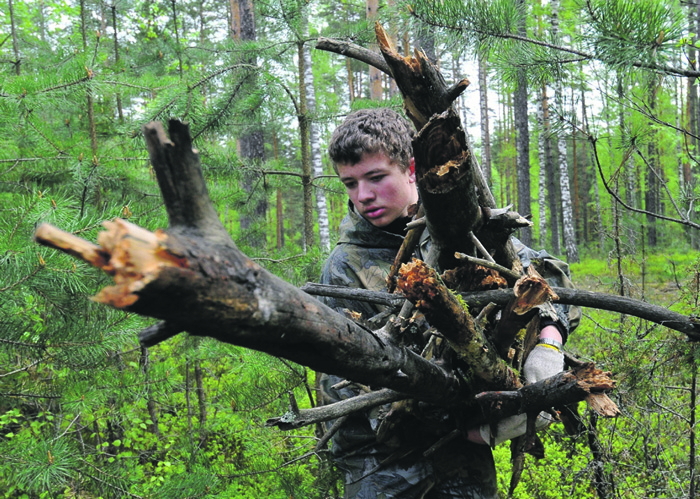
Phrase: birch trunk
(314, 140)
(567, 212)
(304, 135)
(552, 191)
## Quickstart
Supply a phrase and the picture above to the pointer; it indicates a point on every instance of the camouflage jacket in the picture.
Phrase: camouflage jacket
(373, 469)
(362, 259)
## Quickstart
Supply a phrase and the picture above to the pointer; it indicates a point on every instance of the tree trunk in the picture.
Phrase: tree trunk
(484, 109)
(375, 75)
(567, 212)
(144, 361)
(542, 139)
(252, 143)
(314, 139)
(15, 45)
(651, 194)
(201, 401)
(691, 423)
(120, 111)
(552, 190)
(304, 135)
(522, 136)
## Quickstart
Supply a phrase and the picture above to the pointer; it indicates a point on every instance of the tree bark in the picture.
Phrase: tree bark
(375, 75)
(542, 138)
(251, 144)
(484, 109)
(567, 212)
(314, 143)
(522, 135)
(304, 136)
(120, 111)
(15, 44)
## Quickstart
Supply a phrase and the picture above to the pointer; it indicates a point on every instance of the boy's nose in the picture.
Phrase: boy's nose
(364, 193)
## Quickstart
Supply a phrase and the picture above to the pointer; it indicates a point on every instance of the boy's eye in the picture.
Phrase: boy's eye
(377, 178)
(349, 185)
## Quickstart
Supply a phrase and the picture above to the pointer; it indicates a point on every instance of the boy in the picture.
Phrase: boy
(372, 153)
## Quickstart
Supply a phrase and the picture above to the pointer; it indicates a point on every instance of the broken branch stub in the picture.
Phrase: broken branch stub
(448, 314)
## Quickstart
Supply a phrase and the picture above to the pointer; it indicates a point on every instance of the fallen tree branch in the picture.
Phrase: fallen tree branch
(354, 51)
(581, 383)
(602, 301)
(194, 278)
(559, 390)
(323, 413)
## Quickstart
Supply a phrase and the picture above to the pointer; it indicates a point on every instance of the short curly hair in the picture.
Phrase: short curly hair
(371, 131)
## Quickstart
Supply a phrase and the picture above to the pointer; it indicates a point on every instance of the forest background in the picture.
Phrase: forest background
(582, 113)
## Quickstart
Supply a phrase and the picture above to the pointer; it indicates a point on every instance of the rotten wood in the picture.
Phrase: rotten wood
(444, 311)
(451, 184)
(445, 181)
(410, 242)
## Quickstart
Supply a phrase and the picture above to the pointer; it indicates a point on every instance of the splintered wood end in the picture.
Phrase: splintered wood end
(531, 290)
(132, 255)
(50, 236)
(418, 282)
(382, 38)
(603, 405)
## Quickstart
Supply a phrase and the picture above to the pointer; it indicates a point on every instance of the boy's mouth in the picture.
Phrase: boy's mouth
(374, 212)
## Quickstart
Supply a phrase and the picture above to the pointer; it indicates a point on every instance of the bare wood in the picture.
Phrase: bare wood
(50, 236)
(443, 310)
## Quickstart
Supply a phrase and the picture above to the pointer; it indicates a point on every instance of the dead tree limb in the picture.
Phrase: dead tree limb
(354, 51)
(602, 301)
(444, 311)
(565, 387)
(194, 278)
(575, 385)
(451, 184)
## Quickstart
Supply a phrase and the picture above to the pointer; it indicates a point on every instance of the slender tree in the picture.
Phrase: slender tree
(522, 134)
(569, 231)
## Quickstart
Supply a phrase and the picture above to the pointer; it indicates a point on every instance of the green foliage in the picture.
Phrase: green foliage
(85, 412)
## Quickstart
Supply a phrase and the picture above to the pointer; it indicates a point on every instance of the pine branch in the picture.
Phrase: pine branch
(669, 70)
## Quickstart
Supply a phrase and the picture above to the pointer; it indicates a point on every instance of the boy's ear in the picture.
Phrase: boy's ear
(412, 166)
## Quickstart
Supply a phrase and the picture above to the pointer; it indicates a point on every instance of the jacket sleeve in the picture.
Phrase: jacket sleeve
(556, 273)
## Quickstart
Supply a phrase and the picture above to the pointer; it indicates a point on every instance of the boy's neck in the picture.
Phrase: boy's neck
(398, 226)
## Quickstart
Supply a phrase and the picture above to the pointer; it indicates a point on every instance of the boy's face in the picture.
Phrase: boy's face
(380, 191)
